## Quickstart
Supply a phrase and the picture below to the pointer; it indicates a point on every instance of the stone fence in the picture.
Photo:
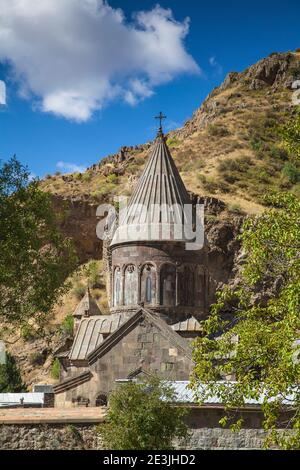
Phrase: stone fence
(78, 428)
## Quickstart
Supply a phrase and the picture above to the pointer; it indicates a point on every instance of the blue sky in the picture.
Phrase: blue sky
(42, 127)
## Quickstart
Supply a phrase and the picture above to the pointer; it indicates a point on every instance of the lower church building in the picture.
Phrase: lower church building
(159, 290)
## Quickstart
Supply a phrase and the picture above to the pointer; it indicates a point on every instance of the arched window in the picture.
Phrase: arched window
(148, 284)
(117, 287)
(148, 296)
(168, 285)
(130, 287)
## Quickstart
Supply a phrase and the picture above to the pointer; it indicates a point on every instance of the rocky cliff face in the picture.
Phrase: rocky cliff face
(271, 75)
(78, 221)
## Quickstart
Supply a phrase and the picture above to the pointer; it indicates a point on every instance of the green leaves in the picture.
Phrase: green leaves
(10, 376)
(251, 333)
(139, 419)
(35, 258)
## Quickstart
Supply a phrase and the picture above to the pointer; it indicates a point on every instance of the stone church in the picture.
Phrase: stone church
(158, 293)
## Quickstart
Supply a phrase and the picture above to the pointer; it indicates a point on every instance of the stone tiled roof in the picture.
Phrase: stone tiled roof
(189, 325)
(90, 334)
(87, 306)
(93, 330)
(130, 323)
(72, 382)
(159, 188)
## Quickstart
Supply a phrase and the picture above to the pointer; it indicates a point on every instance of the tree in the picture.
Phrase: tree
(139, 419)
(256, 321)
(10, 377)
(35, 258)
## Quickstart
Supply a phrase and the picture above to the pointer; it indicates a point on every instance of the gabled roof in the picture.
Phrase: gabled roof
(139, 371)
(127, 326)
(90, 334)
(159, 188)
(87, 306)
(72, 382)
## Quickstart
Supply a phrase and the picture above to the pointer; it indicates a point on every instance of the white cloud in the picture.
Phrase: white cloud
(67, 167)
(138, 90)
(2, 93)
(75, 56)
(216, 66)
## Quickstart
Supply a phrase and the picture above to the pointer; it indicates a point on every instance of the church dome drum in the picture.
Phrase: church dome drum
(150, 262)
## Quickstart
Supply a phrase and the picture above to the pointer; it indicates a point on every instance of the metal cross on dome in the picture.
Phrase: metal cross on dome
(161, 116)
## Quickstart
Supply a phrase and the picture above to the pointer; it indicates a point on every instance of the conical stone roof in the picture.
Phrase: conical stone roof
(155, 209)
(87, 306)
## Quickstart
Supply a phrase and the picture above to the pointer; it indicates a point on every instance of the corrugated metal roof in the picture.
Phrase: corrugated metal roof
(185, 395)
(15, 398)
(191, 324)
(90, 333)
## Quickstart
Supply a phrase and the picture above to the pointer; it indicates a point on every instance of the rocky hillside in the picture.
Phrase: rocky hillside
(229, 152)
(229, 149)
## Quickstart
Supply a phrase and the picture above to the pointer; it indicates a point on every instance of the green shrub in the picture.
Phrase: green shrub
(218, 130)
(113, 178)
(278, 152)
(230, 177)
(93, 274)
(106, 190)
(291, 173)
(236, 209)
(208, 183)
(87, 176)
(173, 142)
(256, 144)
(133, 167)
(10, 376)
(262, 176)
(67, 325)
(79, 291)
(99, 193)
(28, 333)
(240, 164)
(55, 369)
(139, 419)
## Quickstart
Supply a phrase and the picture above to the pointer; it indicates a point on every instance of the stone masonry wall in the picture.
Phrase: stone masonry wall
(49, 437)
(85, 437)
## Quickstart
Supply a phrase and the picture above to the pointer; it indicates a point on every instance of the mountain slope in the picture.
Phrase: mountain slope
(229, 148)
